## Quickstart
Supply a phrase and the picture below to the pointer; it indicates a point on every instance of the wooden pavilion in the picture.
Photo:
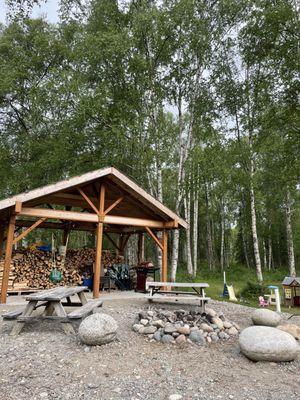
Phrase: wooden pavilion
(103, 201)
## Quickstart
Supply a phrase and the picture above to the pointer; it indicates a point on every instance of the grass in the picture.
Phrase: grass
(238, 276)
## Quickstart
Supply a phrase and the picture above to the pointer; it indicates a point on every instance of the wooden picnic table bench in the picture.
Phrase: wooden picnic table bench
(166, 290)
(54, 310)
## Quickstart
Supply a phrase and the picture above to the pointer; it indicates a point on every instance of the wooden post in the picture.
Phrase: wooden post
(97, 272)
(8, 254)
(141, 248)
(2, 230)
(164, 272)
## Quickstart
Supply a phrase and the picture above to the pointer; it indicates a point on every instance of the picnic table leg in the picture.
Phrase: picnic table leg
(49, 309)
(82, 297)
(60, 312)
(26, 313)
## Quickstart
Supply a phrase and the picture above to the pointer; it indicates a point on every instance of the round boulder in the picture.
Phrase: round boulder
(264, 343)
(264, 317)
(97, 329)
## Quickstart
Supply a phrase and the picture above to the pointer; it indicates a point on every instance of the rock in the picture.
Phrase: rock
(137, 327)
(227, 324)
(181, 339)
(150, 313)
(223, 335)
(143, 315)
(170, 328)
(232, 331)
(217, 321)
(194, 328)
(97, 329)
(175, 397)
(214, 337)
(144, 321)
(158, 323)
(175, 334)
(167, 339)
(237, 326)
(208, 339)
(197, 337)
(211, 312)
(292, 329)
(264, 343)
(206, 328)
(157, 335)
(141, 330)
(262, 316)
(222, 317)
(148, 330)
(185, 330)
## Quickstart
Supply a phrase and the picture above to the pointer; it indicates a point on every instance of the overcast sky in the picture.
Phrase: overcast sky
(48, 10)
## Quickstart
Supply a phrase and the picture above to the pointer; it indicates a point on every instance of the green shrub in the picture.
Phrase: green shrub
(253, 291)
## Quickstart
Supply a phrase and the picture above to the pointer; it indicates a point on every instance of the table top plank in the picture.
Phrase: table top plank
(55, 294)
(178, 284)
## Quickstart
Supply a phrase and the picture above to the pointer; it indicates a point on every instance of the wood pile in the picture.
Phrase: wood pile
(32, 268)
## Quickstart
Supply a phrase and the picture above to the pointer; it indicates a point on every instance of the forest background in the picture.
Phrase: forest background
(196, 100)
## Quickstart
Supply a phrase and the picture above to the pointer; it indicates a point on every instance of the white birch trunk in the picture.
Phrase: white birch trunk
(160, 198)
(265, 254)
(187, 212)
(289, 235)
(270, 256)
(222, 239)
(195, 232)
(254, 226)
(208, 231)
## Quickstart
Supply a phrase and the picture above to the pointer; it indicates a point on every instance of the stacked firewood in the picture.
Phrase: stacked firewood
(32, 268)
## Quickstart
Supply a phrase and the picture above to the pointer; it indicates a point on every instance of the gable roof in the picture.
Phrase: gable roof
(112, 176)
(288, 280)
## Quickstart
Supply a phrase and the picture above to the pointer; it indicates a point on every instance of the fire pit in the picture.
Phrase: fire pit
(184, 326)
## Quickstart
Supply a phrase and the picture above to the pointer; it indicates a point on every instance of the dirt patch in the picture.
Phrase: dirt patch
(43, 363)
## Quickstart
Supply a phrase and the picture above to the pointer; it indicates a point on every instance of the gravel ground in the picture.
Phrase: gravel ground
(43, 363)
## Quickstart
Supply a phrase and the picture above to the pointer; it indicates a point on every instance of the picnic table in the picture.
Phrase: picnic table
(166, 290)
(52, 301)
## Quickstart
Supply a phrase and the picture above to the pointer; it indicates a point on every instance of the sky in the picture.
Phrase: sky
(48, 9)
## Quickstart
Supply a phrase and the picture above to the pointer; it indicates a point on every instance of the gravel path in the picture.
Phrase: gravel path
(43, 363)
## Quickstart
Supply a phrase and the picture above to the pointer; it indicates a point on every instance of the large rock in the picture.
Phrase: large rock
(197, 337)
(262, 316)
(97, 329)
(264, 343)
(292, 329)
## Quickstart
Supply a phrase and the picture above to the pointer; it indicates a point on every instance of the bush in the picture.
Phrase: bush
(253, 291)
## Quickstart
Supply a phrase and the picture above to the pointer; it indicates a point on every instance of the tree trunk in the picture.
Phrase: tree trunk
(187, 211)
(265, 254)
(222, 237)
(289, 235)
(253, 225)
(209, 247)
(270, 257)
(195, 232)
(160, 198)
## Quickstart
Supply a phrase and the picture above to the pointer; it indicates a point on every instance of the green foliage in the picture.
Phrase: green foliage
(149, 85)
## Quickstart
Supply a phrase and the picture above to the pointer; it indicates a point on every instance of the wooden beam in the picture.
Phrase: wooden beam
(112, 241)
(154, 237)
(31, 228)
(96, 287)
(18, 207)
(94, 218)
(164, 272)
(8, 254)
(113, 205)
(2, 232)
(87, 199)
